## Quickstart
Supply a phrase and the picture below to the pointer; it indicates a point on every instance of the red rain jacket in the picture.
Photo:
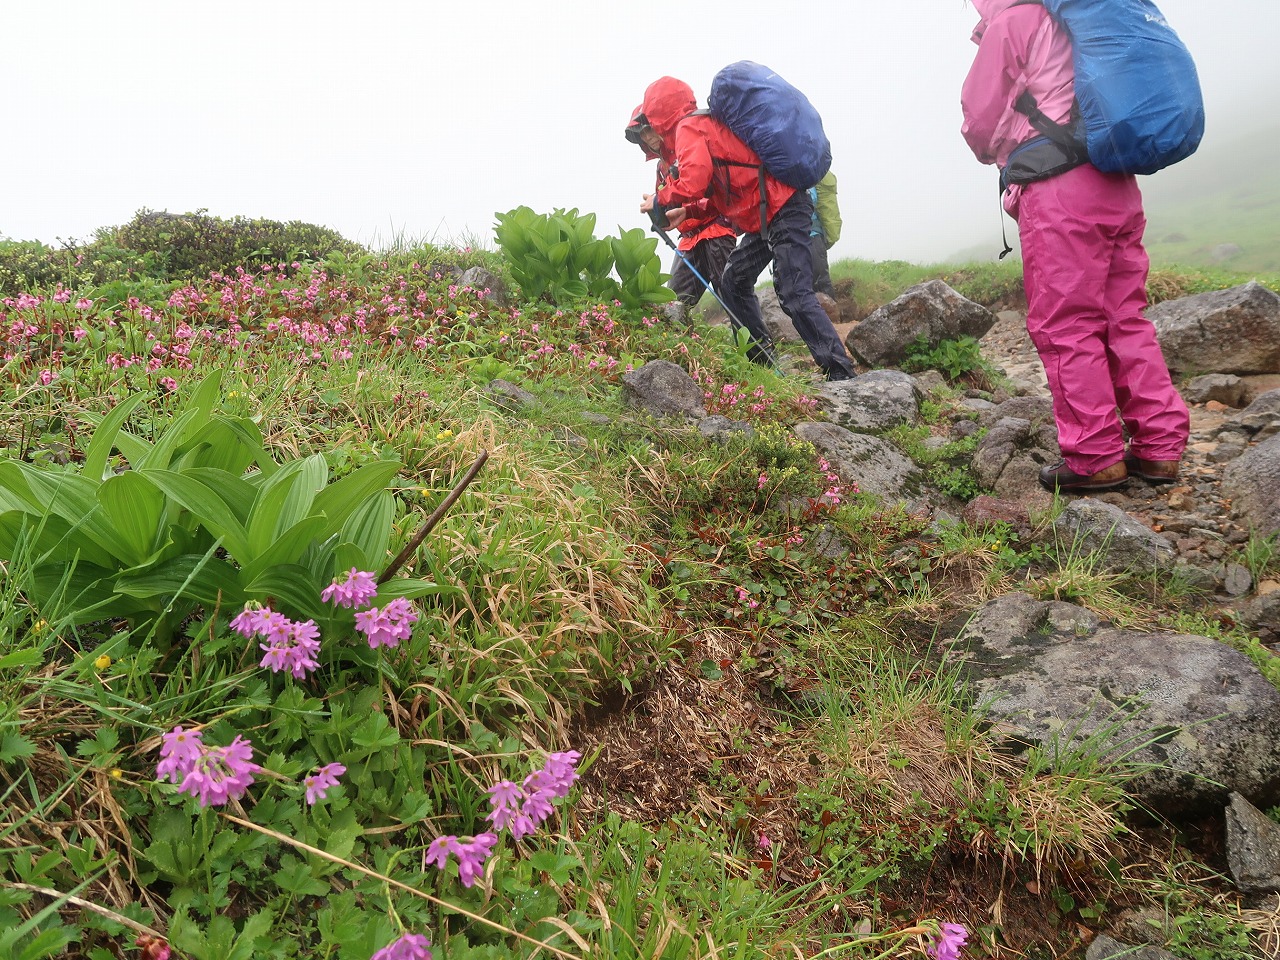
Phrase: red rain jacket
(700, 144)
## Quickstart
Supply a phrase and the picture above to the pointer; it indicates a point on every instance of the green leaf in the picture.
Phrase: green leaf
(369, 528)
(207, 506)
(200, 578)
(20, 658)
(135, 509)
(340, 499)
(14, 746)
(284, 499)
(288, 548)
(98, 452)
(294, 585)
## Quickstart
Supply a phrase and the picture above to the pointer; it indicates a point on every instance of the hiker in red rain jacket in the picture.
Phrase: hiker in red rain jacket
(705, 242)
(719, 174)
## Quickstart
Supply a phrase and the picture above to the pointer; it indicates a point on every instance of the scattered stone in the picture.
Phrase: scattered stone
(1264, 411)
(1253, 847)
(676, 311)
(1122, 543)
(721, 428)
(569, 438)
(510, 397)
(964, 428)
(875, 401)
(1225, 331)
(874, 465)
(929, 382)
(1198, 711)
(930, 310)
(1237, 581)
(663, 389)
(830, 308)
(599, 419)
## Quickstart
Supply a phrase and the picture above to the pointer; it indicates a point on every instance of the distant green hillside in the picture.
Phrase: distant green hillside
(1219, 208)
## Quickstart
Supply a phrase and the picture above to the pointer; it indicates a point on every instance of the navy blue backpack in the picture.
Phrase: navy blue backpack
(1137, 90)
(774, 119)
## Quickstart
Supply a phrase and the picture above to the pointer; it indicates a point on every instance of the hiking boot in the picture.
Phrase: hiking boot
(1152, 471)
(839, 376)
(1062, 478)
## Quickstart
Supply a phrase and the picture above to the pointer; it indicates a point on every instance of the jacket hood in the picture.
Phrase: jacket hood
(667, 101)
(988, 10)
(632, 132)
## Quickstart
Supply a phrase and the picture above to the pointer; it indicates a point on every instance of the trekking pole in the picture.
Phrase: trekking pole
(660, 229)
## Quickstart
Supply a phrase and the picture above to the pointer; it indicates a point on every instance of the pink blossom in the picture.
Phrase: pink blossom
(411, 946)
(322, 780)
(355, 589)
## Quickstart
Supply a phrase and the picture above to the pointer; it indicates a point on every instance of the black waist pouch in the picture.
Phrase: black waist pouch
(1040, 159)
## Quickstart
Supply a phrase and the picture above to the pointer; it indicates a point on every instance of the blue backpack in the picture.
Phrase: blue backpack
(774, 119)
(1139, 100)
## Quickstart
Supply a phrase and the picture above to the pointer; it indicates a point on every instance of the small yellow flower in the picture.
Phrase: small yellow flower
(102, 662)
(116, 773)
(40, 626)
(444, 434)
(232, 394)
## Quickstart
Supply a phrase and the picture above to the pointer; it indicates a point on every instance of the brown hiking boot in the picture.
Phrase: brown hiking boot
(1062, 478)
(1153, 471)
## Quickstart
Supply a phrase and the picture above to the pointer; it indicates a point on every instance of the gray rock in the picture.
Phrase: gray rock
(1237, 580)
(598, 419)
(1038, 411)
(874, 465)
(930, 310)
(488, 284)
(1252, 481)
(510, 397)
(663, 389)
(1264, 411)
(1225, 331)
(1223, 387)
(1253, 847)
(876, 401)
(1192, 718)
(1008, 459)
(964, 428)
(721, 428)
(1262, 614)
(1104, 948)
(676, 311)
(929, 382)
(776, 321)
(1089, 526)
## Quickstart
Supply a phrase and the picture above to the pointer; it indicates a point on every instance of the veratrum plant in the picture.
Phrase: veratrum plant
(557, 256)
(202, 516)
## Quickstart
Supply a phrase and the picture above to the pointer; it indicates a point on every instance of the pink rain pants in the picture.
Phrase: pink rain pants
(1085, 272)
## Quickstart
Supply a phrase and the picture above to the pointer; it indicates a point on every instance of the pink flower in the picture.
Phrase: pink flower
(84, 303)
(411, 946)
(763, 842)
(389, 626)
(355, 589)
(169, 384)
(946, 946)
(179, 750)
(46, 377)
(292, 646)
(319, 782)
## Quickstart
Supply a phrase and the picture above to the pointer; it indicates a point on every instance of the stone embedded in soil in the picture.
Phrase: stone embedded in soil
(1253, 847)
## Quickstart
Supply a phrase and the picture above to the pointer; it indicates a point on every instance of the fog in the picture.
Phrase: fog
(417, 121)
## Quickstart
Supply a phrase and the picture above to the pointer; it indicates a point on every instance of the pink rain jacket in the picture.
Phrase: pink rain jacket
(1019, 48)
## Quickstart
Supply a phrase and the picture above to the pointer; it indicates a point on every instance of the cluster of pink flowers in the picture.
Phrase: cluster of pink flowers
(385, 627)
(745, 598)
(213, 775)
(833, 494)
(521, 808)
(289, 645)
(411, 946)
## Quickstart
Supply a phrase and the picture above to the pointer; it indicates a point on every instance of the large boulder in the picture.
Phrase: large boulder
(930, 310)
(663, 389)
(1252, 481)
(779, 325)
(1225, 331)
(874, 465)
(1191, 718)
(879, 400)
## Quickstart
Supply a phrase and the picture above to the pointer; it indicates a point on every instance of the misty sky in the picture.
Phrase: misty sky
(389, 118)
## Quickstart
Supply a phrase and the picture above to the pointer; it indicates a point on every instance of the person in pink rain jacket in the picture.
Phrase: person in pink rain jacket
(1084, 265)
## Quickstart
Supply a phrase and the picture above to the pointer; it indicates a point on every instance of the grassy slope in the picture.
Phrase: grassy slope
(798, 705)
(1227, 196)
